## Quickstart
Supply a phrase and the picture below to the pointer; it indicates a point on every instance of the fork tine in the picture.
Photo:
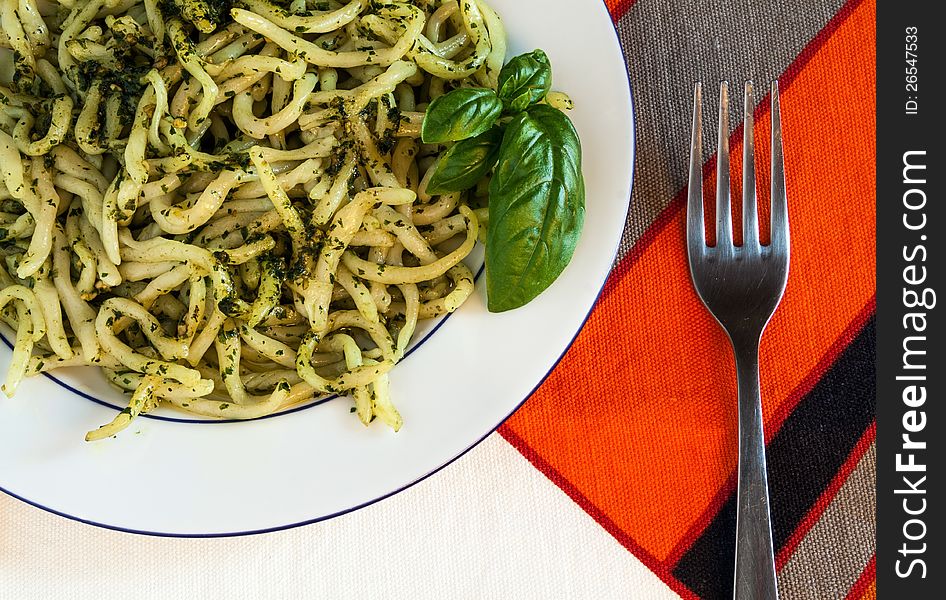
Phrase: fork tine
(780, 232)
(696, 236)
(750, 209)
(723, 198)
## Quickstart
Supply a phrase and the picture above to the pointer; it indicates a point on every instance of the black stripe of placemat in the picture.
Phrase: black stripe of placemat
(803, 458)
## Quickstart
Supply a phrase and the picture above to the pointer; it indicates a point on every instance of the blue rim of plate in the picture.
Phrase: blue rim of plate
(630, 96)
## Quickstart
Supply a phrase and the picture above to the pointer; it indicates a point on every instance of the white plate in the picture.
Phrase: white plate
(208, 478)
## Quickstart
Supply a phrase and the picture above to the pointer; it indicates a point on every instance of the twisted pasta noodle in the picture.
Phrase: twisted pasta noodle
(193, 65)
(58, 126)
(177, 220)
(229, 349)
(227, 211)
(260, 128)
(317, 55)
(396, 275)
(141, 401)
(45, 206)
(358, 376)
(446, 68)
(31, 328)
(308, 22)
(26, 65)
(80, 314)
(48, 298)
(11, 166)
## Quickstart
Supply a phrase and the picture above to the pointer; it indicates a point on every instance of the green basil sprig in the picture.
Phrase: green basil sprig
(536, 207)
(537, 193)
(525, 80)
(466, 163)
(461, 114)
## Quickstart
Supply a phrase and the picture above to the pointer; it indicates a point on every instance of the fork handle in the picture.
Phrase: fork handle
(755, 555)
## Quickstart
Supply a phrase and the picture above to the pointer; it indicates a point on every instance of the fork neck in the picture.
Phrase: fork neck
(746, 353)
(746, 345)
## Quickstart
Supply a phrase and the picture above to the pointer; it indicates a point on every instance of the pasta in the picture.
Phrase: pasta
(222, 205)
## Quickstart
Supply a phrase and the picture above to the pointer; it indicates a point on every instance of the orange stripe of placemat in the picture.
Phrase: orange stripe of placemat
(640, 418)
(618, 8)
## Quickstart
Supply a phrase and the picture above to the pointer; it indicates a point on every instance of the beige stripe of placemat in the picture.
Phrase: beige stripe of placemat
(834, 553)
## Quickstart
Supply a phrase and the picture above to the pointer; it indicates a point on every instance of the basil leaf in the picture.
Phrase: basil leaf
(525, 80)
(466, 163)
(460, 114)
(536, 207)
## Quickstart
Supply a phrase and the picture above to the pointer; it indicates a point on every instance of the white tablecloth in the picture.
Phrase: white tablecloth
(487, 526)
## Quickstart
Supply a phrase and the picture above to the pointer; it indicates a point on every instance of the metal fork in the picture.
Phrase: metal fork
(741, 286)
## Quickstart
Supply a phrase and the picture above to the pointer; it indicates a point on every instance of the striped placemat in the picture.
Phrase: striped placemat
(638, 423)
